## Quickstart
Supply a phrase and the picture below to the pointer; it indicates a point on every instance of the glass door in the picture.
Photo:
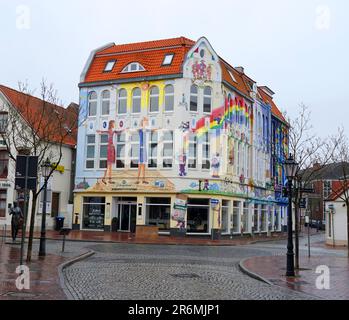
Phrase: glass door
(127, 217)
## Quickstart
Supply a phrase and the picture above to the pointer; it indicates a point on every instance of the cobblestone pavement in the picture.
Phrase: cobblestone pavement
(146, 272)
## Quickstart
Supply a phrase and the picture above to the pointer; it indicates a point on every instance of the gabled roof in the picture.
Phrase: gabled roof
(149, 54)
(332, 171)
(31, 109)
(269, 100)
(337, 193)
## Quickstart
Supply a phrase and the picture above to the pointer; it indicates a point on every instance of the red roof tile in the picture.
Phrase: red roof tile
(32, 110)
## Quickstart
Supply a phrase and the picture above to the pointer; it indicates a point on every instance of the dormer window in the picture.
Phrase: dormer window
(231, 75)
(109, 66)
(168, 59)
(133, 67)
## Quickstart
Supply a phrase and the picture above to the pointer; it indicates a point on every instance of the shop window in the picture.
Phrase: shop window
(245, 218)
(92, 104)
(158, 212)
(55, 204)
(105, 103)
(154, 100)
(256, 218)
(103, 151)
(153, 150)
(198, 216)
(236, 217)
(4, 163)
(120, 150)
(122, 102)
(169, 98)
(167, 155)
(136, 100)
(90, 151)
(93, 213)
(225, 217)
(263, 219)
(194, 98)
(3, 203)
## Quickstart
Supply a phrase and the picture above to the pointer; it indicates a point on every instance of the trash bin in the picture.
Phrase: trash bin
(59, 223)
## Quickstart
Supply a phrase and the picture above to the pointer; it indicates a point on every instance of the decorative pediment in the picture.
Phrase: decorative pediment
(202, 64)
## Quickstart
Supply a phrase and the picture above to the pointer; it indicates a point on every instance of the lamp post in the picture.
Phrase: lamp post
(46, 167)
(291, 168)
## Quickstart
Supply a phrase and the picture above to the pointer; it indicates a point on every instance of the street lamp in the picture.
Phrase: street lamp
(291, 168)
(46, 169)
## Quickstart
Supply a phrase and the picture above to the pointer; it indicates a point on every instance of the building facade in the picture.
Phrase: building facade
(60, 187)
(172, 136)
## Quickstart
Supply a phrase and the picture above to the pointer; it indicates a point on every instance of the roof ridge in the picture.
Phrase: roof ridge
(29, 95)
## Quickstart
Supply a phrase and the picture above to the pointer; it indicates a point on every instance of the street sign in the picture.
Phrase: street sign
(21, 162)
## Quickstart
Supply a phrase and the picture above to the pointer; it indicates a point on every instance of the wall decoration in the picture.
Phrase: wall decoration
(216, 164)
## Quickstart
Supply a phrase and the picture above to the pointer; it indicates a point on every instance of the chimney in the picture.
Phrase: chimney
(240, 69)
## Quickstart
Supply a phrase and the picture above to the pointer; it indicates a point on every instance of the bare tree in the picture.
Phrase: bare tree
(38, 127)
(307, 149)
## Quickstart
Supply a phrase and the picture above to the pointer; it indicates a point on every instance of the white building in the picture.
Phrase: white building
(60, 196)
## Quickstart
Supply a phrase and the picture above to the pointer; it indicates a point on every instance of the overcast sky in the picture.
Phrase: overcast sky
(300, 49)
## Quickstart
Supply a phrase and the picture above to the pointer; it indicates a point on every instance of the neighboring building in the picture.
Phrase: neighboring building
(336, 218)
(171, 135)
(60, 197)
(324, 180)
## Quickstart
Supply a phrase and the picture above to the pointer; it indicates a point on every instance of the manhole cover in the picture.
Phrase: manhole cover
(21, 295)
(185, 275)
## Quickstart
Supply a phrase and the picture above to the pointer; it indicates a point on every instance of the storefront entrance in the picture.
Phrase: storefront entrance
(126, 214)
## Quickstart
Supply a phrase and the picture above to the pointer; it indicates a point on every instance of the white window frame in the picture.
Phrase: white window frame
(105, 100)
(153, 144)
(128, 68)
(90, 101)
(122, 99)
(206, 141)
(118, 144)
(88, 144)
(166, 143)
(196, 95)
(134, 144)
(109, 66)
(154, 96)
(138, 97)
(168, 59)
(193, 140)
(169, 95)
(207, 97)
(105, 145)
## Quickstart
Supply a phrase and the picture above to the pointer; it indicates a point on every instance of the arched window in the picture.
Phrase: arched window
(207, 100)
(122, 102)
(92, 104)
(154, 99)
(136, 100)
(105, 102)
(133, 67)
(169, 98)
(194, 98)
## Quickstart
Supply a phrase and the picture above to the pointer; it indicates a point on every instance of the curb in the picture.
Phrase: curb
(253, 275)
(65, 287)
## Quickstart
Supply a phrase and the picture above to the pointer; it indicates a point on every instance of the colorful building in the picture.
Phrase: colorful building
(171, 136)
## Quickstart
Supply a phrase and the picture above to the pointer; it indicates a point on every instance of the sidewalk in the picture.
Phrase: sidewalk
(272, 270)
(117, 237)
(44, 278)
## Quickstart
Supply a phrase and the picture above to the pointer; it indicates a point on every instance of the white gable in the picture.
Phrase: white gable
(202, 64)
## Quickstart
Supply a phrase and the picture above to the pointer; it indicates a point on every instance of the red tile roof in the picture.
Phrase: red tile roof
(339, 191)
(274, 109)
(151, 54)
(44, 121)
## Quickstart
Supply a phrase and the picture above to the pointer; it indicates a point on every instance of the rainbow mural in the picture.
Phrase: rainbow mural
(235, 110)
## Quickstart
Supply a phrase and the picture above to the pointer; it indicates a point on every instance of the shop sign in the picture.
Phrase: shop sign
(180, 205)
(5, 185)
(214, 203)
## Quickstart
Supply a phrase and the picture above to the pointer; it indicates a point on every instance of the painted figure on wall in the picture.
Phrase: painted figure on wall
(185, 127)
(216, 165)
(143, 155)
(111, 153)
